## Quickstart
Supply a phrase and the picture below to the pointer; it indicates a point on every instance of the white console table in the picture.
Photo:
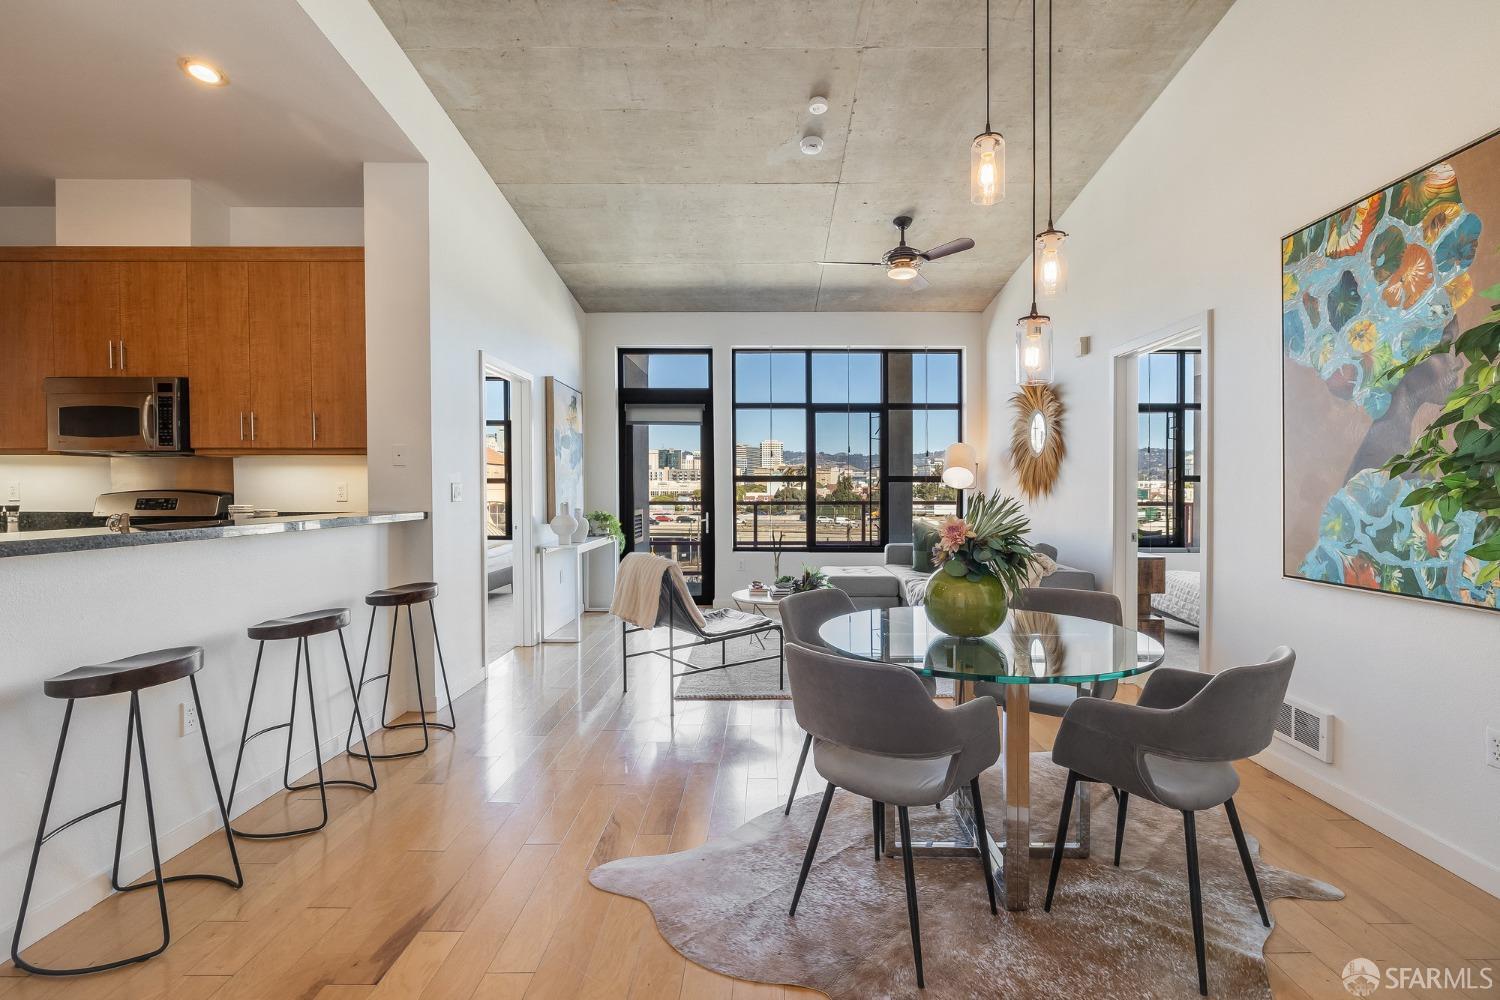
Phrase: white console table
(577, 577)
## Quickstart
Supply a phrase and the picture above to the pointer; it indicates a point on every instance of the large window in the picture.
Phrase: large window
(841, 449)
(1167, 487)
(497, 457)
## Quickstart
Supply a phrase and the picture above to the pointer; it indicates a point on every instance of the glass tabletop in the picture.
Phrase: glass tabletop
(1031, 647)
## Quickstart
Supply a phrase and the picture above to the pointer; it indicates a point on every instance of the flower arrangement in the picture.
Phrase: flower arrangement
(990, 540)
(810, 579)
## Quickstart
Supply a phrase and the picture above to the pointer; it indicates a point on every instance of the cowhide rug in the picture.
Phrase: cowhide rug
(1112, 932)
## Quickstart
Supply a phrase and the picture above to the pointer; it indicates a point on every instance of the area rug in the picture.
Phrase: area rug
(1112, 932)
(741, 682)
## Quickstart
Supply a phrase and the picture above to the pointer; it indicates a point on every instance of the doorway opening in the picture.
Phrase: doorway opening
(499, 535)
(666, 459)
(1161, 486)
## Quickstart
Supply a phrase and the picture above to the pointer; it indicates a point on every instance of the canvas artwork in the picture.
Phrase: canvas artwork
(565, 456)
(1391, 387)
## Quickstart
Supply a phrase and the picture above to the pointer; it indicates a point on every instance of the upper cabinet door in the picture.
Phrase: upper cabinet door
(218, 354)
(86, 318)
(280, 362)
(338, 354)
(153, 318)
(25, 349)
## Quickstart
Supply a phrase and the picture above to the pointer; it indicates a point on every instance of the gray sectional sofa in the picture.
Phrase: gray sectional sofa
(894, 582)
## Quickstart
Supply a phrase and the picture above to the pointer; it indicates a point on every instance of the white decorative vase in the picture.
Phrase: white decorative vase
(565, 524)
(582, 534)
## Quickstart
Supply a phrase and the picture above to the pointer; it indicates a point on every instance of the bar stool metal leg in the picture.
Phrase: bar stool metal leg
(422, 723)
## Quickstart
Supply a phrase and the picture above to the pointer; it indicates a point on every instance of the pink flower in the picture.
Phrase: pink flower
(953, 533)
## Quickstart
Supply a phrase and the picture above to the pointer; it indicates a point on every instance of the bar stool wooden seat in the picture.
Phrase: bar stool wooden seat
(405, 595)
(130, 675)
(301, 627)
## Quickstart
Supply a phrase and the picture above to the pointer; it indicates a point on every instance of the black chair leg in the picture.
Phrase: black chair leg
(1062, 838)
(797, 775)
(877, 813)
(1123, 798)
(911, 894)
(624, 658)
(983, 839)
(1239, 841)
(1195, 896)
(812, 847)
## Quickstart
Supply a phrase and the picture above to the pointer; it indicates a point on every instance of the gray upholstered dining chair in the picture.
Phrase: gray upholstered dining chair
(877, 733)
(1176, 747)
(801, 617)
(1054, 699)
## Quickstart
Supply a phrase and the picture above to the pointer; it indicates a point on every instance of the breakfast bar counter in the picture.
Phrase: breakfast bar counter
(35, 543)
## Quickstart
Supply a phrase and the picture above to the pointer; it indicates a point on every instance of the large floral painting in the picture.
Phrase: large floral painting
(1391, 387)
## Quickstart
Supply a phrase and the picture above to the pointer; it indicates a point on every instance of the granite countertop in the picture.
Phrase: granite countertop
(82, 539)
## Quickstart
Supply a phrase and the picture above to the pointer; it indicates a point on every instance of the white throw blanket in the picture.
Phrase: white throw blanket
(638, 589)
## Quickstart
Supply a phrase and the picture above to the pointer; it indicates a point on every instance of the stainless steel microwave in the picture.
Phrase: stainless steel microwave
(119, 415)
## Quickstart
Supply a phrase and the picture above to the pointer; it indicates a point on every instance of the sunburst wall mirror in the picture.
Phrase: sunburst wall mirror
(1036, 438)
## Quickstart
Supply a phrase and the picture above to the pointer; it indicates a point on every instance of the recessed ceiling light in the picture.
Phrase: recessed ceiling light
(205, 73)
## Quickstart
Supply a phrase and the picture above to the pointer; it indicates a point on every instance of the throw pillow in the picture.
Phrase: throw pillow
(924, 536)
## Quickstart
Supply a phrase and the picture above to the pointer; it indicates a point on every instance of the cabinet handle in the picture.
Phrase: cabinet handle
(252, 425)
(122, 357)
(111, 355)
(315, 426)
(242, 425)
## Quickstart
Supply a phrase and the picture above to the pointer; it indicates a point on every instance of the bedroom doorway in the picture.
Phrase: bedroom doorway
(500, 618)
(1161, 486)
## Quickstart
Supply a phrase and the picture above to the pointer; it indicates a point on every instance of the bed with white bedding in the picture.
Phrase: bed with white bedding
(1181, 600)
(499, 564)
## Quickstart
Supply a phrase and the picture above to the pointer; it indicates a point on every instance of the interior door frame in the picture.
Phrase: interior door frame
(707, 481)
(524, 459)
(1124, 467)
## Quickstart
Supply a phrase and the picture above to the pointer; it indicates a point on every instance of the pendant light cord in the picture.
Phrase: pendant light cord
(987, 66)
(1049, 115)
(1033, 156)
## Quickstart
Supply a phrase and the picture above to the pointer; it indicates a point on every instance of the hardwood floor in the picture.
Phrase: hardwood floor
(464, 875)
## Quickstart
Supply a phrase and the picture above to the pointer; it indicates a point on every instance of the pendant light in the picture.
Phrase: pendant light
(1033, 331)
(1047, 254)
(987, 152)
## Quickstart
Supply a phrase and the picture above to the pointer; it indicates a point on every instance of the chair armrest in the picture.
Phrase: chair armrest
(976, 724)
(1169, 687)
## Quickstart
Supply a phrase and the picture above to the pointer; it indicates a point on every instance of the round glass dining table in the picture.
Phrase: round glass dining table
(1030, 648)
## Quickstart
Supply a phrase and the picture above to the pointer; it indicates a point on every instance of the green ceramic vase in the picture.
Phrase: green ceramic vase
(963, 607)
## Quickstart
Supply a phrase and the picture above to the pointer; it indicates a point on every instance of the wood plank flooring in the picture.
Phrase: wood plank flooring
(464, 875)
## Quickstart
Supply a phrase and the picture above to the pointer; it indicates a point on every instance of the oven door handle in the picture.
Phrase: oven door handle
(148, 420)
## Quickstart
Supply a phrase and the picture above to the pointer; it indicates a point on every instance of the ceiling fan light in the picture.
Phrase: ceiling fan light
(902, 270)
(1051, 265)
(987, 168)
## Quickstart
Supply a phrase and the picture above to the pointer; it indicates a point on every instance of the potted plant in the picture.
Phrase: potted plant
(602, 522)
(982, 559)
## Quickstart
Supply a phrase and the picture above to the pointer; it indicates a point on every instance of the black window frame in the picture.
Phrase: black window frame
(1178, 538)
(510, 524)
(881, 410)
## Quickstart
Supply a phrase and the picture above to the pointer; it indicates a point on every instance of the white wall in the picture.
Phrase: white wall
(124, 213)
(302, 483)
(54, 482)
(1258, 134)
(607, 332)
(296, 227)
(28, 226)
(485, 287)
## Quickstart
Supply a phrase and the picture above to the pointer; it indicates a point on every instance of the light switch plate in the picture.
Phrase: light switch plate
(398, 454)
(455, 491)
(1085, 344)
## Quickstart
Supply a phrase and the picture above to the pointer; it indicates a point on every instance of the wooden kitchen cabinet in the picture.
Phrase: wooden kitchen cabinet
(218, 350)
(25, 351)
(153, 318)
(85, 317)
(338, 354)
(280, 355)
(119, 317)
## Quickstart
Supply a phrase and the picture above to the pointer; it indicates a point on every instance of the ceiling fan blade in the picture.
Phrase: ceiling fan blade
(951, 247)
(916, 284)
(851, 263)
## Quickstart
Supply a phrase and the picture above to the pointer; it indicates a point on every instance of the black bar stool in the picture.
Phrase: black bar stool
(396, 598)
(129, 675)
(300, 627)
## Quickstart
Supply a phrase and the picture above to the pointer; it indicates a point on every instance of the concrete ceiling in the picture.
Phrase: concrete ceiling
(651, 146)
(91, 89)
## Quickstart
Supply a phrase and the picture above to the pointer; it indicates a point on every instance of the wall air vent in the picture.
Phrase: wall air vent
(1306, 728)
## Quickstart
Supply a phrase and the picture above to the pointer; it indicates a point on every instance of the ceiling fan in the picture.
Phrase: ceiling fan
(903, 263)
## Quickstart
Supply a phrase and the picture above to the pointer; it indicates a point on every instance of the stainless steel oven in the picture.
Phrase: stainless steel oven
(123, 415)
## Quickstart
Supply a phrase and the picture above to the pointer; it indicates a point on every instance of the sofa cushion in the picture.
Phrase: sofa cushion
(864, 581)
(913, 584)
(924, 537)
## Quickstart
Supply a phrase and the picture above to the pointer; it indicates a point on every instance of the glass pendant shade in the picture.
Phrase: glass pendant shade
(987, 169)
(960, 466)
(1051, 265)
(1034, 349)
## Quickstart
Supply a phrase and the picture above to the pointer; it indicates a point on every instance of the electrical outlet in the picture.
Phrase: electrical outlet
(341, 493)
(455, 491)
(15, 492)
(187, 719)
(1492, 747)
